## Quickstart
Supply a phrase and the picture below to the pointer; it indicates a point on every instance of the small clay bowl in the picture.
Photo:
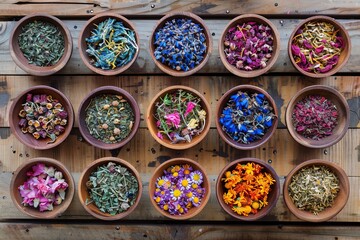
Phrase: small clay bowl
(179, 15)
(344, 56)
(28, 139)
(272, 196)
(222, 104)
(18, 55)
(159, 171)
(151, 121)
(84, 194)
(276, 45)
(20, 177)
(340, 200)
(86, 32)
(82, 115)
(343, 116)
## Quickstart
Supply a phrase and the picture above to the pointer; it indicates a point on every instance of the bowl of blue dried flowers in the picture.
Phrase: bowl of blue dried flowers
(108, 117)
(108, 44)
(40, 44)
(246, 117)
(249, 45)
(41, 117)
(110, 188)
(180, 44)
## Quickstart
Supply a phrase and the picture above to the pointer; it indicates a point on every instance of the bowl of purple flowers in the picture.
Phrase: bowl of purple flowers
(249, 45)
(319, 47)
(246, 117)
(41, 117)
(179, 188)
(180, 44)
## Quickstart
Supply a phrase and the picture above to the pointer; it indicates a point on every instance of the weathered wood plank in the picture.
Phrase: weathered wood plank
(160, 7)
(145, 65)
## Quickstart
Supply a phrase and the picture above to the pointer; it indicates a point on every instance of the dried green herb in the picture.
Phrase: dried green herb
(109, 118)
(314, 188)
(112, 188)
(42, 43)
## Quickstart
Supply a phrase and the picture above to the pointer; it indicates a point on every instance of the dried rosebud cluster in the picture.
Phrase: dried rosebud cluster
(180, 44)
(42, 116)
(249, 46)
(44, 188)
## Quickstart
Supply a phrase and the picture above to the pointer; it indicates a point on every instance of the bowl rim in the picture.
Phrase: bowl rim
(171, 162)
(85, 58)
(209, 41)
(268, 134)
(19, 135)
(337, 25)
(273, 59)
(290, 106)
(102, 161)
(82, 125)
(152, 129)
(265, 211)
(58, 210)
(33, 69)
(336, 169)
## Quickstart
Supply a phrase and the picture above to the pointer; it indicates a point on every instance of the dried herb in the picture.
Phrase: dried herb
(247, 117)
(179, 189)
(111, 45)
(316, 47)
(179, 116)
(249, 46)
(109, 118)
(314, 188)
(43, 117)
(180, 44)
(247, 188)
(315, 117)
(112, 188)
(42, 43)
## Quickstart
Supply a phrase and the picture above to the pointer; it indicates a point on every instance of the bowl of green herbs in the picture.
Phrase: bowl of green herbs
(40, 44)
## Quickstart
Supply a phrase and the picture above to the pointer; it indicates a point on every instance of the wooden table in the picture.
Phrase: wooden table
(143, 80)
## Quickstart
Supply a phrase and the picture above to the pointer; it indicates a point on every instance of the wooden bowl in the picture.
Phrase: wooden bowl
(86, 32)
(222, 104)
(84, 194)
(276, 45)
(344, 56)
(161, 23)
(159, 171)
(343, 116)
(82, 113)
(340, 200)
(18, 55)
(272, 196)
(28, 139)
(151, 121)
(20, 177)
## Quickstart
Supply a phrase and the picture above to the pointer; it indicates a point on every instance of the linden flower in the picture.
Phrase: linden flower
(202, 114)
(192, 124)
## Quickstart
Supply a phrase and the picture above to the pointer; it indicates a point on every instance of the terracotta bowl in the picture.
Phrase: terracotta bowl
(222, 104)
(18, 56)
(343, 116)
(272, 196)
(344, 56)
(84, 194)
(20, 177)
(28, 139)
(276, 45)
(151, 121)
(340, 200)
(86, 32)
(82, 113)
(159, 171)
(161, 23)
